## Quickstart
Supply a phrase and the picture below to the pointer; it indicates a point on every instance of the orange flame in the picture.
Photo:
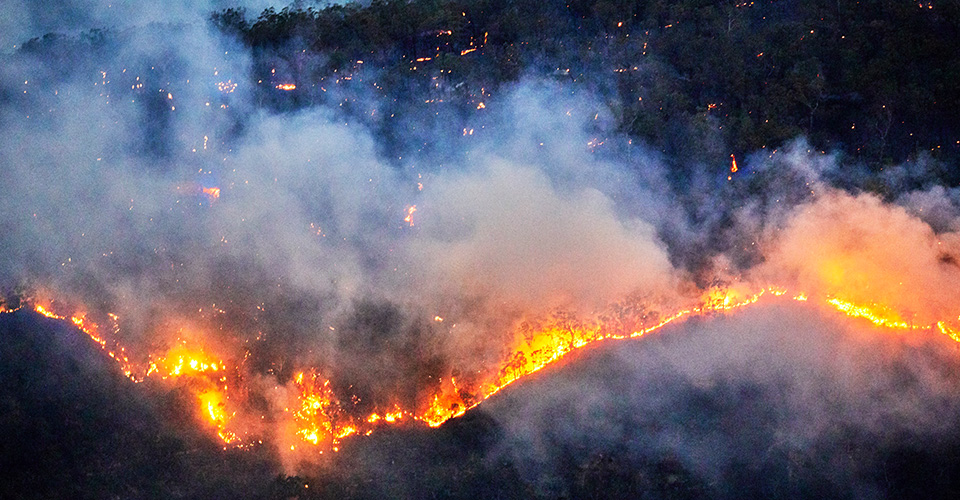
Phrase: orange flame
(92, 330)
(180, 361)
(321, 420)
(214, 408)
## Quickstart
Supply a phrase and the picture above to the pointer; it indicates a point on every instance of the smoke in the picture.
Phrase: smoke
(781, 399)
(315, 251)
(506, 233)
(388, 276)
(863, 250)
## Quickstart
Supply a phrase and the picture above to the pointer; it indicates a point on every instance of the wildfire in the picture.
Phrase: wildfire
(319, 419)
(92, 330)
(878, 315)
(206, 372)
(181, 360)
(207, 376)
(389, 417)
(287, 86)
(214, 408)
(5, 309)
(212, 192)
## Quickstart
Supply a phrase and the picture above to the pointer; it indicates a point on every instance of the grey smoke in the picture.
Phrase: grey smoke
(544, 207)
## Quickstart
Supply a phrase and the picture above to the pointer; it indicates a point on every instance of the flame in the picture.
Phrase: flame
(287, 86)
(206, 371)
(212, 192)
(319, 419)
(182, 360)
(733, 164)
(212, 403)
(92, 330)
(876, 314)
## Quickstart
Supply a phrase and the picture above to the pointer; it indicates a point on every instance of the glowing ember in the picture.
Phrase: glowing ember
(181, 360)
(92, 330)
(194, 189)
(227, 86)
(320, 420)
(409, 218)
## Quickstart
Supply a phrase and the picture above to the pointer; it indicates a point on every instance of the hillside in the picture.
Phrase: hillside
(769, 403)
(75, 427)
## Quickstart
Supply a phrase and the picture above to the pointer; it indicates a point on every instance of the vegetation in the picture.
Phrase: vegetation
(876, 80)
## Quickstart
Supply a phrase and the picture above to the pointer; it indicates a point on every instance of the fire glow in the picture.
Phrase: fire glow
(206, 373)
(324, 423)
(320, 420)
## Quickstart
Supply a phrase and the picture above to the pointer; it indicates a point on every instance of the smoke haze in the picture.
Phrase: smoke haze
(393, 276)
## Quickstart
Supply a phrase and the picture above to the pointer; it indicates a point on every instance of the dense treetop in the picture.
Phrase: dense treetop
(877, 80)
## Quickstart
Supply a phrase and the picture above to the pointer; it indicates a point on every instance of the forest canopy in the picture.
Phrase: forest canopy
(878, 81)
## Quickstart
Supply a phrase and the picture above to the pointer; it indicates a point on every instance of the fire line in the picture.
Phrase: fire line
(321, 420)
